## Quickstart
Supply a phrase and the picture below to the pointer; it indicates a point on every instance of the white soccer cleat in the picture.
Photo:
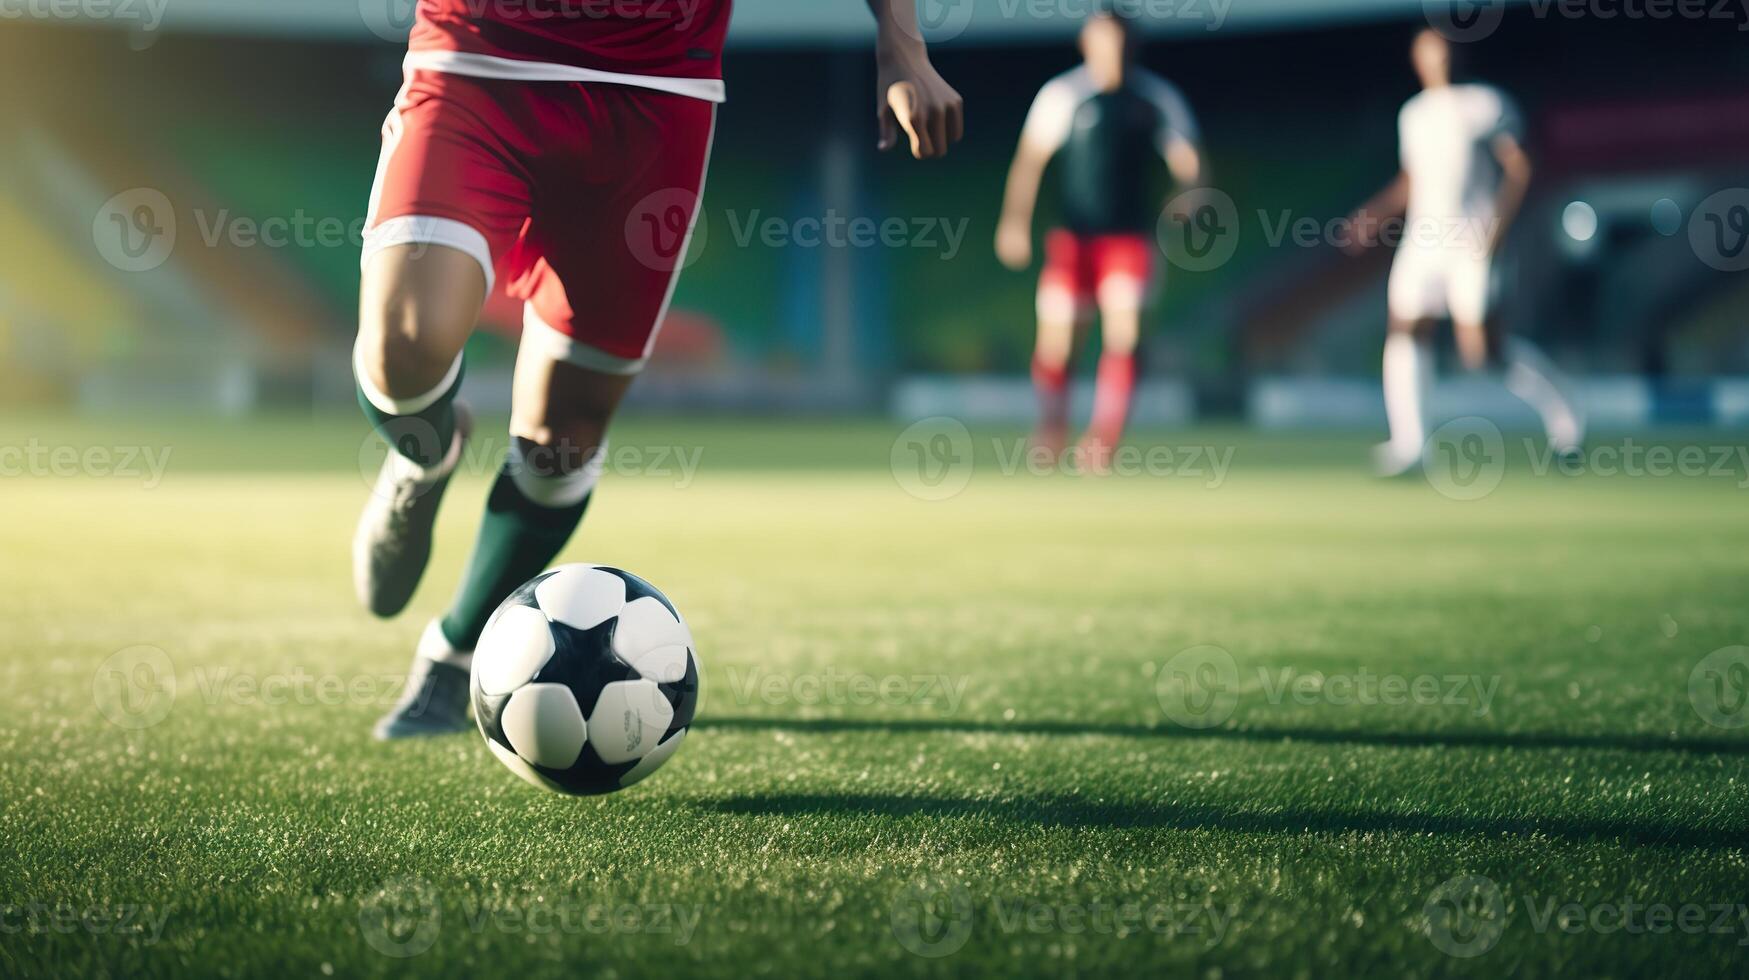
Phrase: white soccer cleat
(393, 540)
(1392, 459)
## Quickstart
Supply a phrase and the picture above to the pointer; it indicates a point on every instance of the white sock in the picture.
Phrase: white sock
(434, 646)
(1408, 374)
(557, 490)
(1532, 377)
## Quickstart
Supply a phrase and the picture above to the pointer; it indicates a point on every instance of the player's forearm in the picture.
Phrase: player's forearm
(1020, 195)
(897, 36)
(1185, 163)
(1514, 183)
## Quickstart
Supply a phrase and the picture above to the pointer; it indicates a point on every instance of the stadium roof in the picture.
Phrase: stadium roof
(756, 21)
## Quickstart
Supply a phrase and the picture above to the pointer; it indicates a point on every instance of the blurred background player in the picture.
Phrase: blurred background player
(1464, 175)
(540, 146)
(1109, 121)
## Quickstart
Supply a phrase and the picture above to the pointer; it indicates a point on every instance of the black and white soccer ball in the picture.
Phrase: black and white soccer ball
(585, 680)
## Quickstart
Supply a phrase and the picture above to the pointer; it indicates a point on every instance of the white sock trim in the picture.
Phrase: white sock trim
(413, 405)
(563, 490)
(434, 646)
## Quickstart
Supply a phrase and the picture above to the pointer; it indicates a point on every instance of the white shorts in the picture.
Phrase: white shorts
(1431, 282)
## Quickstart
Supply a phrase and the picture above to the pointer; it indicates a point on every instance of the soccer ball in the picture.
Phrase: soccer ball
(585, 680)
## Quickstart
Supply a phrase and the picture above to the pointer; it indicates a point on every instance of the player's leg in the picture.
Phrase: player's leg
(1408, 376)
(1063, 308)
(1415, 297)
(558, 430)
(616, 156)
(444, 202)
(418, 304)
(1527, 372)
(1124, 269)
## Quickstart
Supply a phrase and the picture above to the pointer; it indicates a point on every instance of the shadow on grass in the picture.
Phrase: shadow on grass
(1075, 812)
(1457, 739)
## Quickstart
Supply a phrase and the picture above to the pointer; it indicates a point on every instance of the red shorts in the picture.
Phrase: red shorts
(583, 195)
(1079, 269)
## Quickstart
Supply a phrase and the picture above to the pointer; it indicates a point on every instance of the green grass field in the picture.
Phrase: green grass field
(1286, 721)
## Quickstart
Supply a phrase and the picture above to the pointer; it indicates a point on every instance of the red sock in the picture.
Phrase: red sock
(1052, 385)
(1115, 386)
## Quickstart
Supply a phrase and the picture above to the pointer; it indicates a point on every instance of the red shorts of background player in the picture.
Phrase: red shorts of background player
(1114, 270)
(581, 194)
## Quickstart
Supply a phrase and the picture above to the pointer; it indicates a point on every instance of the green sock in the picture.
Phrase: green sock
(423, 436)
(518, 539)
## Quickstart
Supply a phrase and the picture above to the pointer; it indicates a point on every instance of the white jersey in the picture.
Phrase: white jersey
(1447, 145)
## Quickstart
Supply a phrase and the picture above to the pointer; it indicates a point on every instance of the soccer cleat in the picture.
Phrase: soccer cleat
(393, 540)
(1392, 459)
(435, 700)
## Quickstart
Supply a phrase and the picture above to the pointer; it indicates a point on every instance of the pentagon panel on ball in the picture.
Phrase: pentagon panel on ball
(585, 680)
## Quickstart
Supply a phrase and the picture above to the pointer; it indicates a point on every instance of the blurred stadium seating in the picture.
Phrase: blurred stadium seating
(244, 113)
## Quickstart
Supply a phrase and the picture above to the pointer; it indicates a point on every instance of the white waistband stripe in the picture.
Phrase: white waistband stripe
(491, 66)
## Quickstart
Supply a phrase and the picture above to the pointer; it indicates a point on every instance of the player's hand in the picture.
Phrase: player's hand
(1013, 245)
(912, 97)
